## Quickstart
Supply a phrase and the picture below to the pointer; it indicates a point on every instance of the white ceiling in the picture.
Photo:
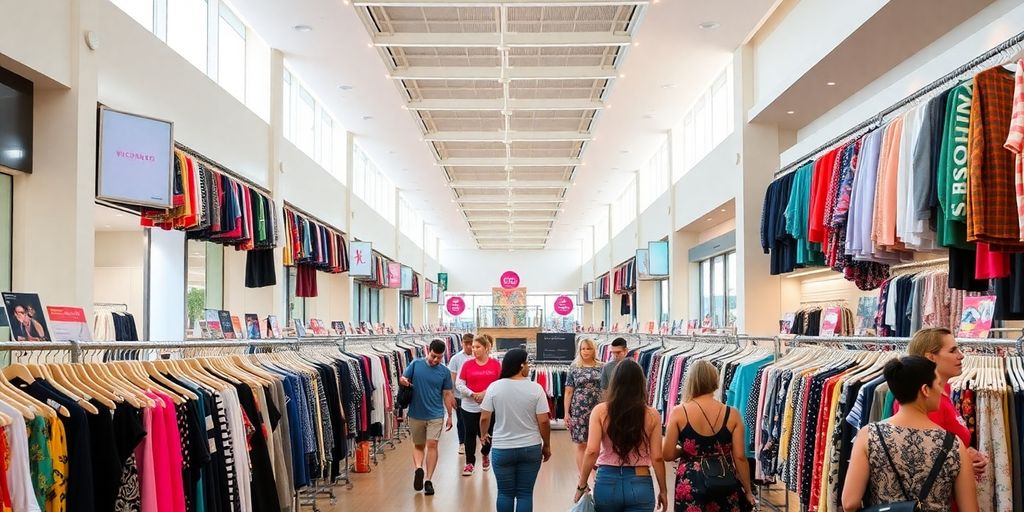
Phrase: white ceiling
(111, 219)
(592, 86)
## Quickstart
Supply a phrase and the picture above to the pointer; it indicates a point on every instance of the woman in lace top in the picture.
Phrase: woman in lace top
(892, 460)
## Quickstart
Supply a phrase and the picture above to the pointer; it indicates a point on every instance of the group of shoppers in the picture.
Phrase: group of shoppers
(617, 434)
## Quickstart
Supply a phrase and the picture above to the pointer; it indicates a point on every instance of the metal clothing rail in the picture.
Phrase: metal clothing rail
(223, 168)
(314, 218)
(1017, 344)
(877, 119)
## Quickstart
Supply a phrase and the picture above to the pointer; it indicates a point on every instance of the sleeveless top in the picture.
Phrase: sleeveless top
(694, 448)
(914, 452)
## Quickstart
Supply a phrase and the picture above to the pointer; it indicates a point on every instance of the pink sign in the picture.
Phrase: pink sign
(394, 275)
(509, 279)
(563, 305)
(456, 306)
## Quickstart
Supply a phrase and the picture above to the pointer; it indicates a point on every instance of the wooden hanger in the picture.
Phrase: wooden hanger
(57, 376)
(113, 380)
(40, 406)
(78, 372)
(154, 374)
(11, 398)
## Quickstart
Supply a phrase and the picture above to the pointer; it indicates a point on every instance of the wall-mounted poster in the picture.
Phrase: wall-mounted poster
(360, 258)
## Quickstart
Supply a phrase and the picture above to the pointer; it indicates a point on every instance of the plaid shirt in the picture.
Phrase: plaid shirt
(992, 203)
(1015, 142)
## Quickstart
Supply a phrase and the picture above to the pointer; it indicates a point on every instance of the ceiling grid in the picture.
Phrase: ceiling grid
(507, 93)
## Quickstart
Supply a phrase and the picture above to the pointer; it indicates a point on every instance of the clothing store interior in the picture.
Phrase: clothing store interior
(511, 255)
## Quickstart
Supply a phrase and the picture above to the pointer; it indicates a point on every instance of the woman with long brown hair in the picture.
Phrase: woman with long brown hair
(625, 443)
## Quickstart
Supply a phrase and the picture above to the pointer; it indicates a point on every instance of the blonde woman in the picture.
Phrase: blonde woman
(582, 393)
(703, 428)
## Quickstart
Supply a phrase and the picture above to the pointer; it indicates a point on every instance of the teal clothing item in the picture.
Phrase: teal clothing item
(797, 212)
(428, 386)
(887, 405)
(738, 395)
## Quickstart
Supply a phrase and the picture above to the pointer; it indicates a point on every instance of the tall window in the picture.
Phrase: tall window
(624, 210)
(310, 127)
(370, 185)
(708, 122)
(231, 53)
(410, 222)
(296, 305)
(367, 304)
(718, 290)
(661, 303)
(404, 311)
(187, 30)
(654, 177)
(140, 10)
(601, 230)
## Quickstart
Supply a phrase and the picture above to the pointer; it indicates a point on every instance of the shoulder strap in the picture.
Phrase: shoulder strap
(947, 444)
(888, 456)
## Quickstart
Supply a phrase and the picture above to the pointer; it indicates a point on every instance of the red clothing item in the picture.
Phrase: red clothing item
(991, 265)
(820, 181)
(947, 417)
(478, 376)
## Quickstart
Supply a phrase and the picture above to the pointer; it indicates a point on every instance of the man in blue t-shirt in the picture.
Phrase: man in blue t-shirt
(431, 398)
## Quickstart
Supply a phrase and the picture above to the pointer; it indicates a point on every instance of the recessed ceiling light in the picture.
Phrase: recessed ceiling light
(668, 86)
(106, 226)
(624, 151)
(709, 218)
(709, 25)
(830, 83)
(367, 118)
(622, 75)
(722, 210)
(791, 112)
(345, 87)
(648, 116)
(302, 28)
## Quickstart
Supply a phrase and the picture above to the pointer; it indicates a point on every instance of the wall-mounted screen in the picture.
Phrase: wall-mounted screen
(360, 259)
(134, 159)
(643, 264)
(658, 258)
(588, 292)
(15, 122)
(406, 279)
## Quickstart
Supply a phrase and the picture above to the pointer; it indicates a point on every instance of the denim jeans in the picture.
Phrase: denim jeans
(622, 490)
(516, 470)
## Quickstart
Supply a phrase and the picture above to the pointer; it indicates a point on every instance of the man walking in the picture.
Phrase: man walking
(431, 398)
(455, 365)
(619, 351)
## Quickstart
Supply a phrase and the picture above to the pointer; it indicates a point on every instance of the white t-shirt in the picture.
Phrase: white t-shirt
(515, 404)
(19, 476)
(455, 366)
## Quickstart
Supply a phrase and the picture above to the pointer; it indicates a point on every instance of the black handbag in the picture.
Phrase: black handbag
(911, 505)
(717, 477)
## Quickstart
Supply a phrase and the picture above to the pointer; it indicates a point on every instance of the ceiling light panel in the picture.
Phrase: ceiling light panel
(504, 142)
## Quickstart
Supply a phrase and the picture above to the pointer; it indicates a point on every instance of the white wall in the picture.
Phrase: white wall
(308, 186)
(994, 24)
(166, 316)
(35, 40)
(410, 254)
(712, 182)
(140, 74)
(539, 271)
(368, 225)
(656, 220)
(624, 244)
(782, 51)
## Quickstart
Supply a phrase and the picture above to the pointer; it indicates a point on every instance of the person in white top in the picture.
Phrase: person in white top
(455, 366)
(522, 432)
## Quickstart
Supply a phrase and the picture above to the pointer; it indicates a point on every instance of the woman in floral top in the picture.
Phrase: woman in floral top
(582, 393)
(703, 428)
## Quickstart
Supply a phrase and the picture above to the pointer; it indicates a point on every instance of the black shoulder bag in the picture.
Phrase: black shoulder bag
(404, 398)
(911, 505)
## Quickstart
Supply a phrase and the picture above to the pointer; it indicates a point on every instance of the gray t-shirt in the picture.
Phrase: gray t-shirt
(455, 366)
(606, 373)
(515, 404)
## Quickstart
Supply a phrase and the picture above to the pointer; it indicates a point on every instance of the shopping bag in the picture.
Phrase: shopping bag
(362, 457)
(585, 504)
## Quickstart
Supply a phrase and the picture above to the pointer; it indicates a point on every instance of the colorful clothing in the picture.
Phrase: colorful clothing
(695, 449)
(586, 385)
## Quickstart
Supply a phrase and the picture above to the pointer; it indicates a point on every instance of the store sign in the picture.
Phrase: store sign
(442, 281)
(456, 306)
(509, 280)
(360, 259)
(394, 275)
(564, 305)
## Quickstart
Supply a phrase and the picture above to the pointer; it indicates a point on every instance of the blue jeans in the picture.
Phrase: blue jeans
(516, 470)
(621, 490)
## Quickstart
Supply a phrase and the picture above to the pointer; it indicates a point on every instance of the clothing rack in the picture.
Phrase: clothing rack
(825, 301)
(919, 264)
(312, 217)
(797, 341)
(877, 119)
(222, 168)
(110, 305)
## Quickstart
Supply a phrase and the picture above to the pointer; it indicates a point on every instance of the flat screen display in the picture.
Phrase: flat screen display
(134, 159)
(643, 264)
(406, 279)
(658, 258)
(15, 122)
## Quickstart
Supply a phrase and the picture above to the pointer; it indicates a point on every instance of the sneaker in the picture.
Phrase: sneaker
(487, 463)
(428, 488)
(417, 482)
(468, 470)
(462, 449)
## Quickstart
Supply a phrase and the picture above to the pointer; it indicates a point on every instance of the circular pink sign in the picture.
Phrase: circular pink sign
(563, 305)
(510, 279)
(456, 306)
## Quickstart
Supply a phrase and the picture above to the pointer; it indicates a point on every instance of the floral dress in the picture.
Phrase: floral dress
(586, 384)
(695, 448)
